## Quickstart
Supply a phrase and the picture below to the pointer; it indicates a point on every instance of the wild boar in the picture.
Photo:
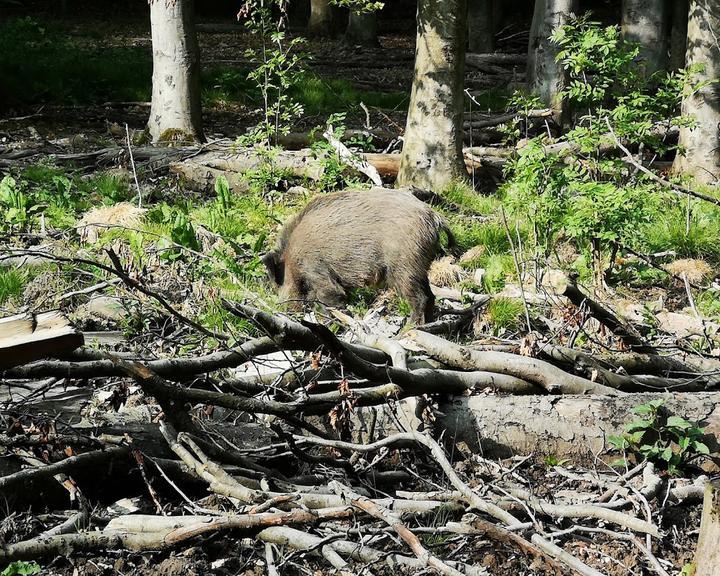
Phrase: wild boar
(354, 239)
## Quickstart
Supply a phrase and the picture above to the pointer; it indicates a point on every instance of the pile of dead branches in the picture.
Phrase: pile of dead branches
(307, 454)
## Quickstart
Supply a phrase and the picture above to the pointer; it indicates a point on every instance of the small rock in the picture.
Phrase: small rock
(105, 308)
(478, 275)
(683, 325)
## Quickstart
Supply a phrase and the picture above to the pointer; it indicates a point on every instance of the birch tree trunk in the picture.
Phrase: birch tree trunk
(320, 18)
(702, 143)
(362, 29)
(678, 35)
(175, 113)
(432, 149)
(481, 26)
(646, 23)
(545, 75)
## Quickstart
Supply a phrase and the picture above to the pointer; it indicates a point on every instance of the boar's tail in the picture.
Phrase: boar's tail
(442, 226)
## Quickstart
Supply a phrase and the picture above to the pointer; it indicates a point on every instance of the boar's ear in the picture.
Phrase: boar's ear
(275, 267)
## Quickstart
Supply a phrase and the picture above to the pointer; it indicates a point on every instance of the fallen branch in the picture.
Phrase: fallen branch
(625, 332)
(538, 372)
(630, 159)
(92, 458)
(381, 513)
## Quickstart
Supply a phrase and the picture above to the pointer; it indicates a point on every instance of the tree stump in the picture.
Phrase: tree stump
(707, 554)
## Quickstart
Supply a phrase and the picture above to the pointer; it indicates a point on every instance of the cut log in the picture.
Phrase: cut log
(479, 61)
(300, 140)
(201, 177)
(707, 554)
(28, 337)
(575, 427)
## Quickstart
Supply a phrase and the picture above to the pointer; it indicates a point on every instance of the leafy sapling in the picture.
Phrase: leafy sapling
(670, 441)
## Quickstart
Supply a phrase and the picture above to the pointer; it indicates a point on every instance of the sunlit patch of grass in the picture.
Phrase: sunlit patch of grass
(492, 99)
(468, 233)
(505, 313)
(668, 232)
(319, 95)
(12, 282)
(316, 95)
(708, 303)
(110, 187)
(498, 268)
(467, 200)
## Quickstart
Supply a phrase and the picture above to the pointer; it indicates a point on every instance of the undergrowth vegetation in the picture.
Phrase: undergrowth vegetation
(597, 200)
(569, 198)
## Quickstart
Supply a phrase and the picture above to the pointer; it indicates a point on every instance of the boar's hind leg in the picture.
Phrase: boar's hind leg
(417, 291)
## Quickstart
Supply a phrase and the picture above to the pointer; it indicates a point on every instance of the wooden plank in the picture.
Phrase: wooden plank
(28, 337)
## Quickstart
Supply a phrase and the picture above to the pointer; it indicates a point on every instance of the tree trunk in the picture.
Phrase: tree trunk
(320, 18)
(678, 36)
(701, 143)
(545, 76)
(646, 23)
(432, 150)
(362, 29)
(175, 114)
(481, 26)
(707, 554)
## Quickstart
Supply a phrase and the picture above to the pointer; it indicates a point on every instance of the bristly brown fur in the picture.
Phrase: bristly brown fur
(358, 238)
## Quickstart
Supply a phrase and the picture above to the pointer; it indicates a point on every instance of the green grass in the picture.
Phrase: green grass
(318, 95)
(61, 197)
(12, 283)
(491, 235)
(708, 303)
(668, 232)
(468, 201)
(492, 99)
(505, 313)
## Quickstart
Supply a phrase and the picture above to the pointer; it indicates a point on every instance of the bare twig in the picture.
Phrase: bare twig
(132, 164)
(396, 524)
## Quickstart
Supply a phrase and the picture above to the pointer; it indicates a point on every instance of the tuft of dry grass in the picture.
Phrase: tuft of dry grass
(444, 272)
(695, 269)
(95, 221)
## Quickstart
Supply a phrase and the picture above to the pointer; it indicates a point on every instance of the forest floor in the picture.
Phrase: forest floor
(192, 245)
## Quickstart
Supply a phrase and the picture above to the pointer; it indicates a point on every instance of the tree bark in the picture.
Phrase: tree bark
(678, 34)
(567, 426)
(702, 143)
(320, 18)
(362, 29)
(481, 26)
(646, 23)
(432, 150)
(707, 554)
(175, 114)
(544, 75)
